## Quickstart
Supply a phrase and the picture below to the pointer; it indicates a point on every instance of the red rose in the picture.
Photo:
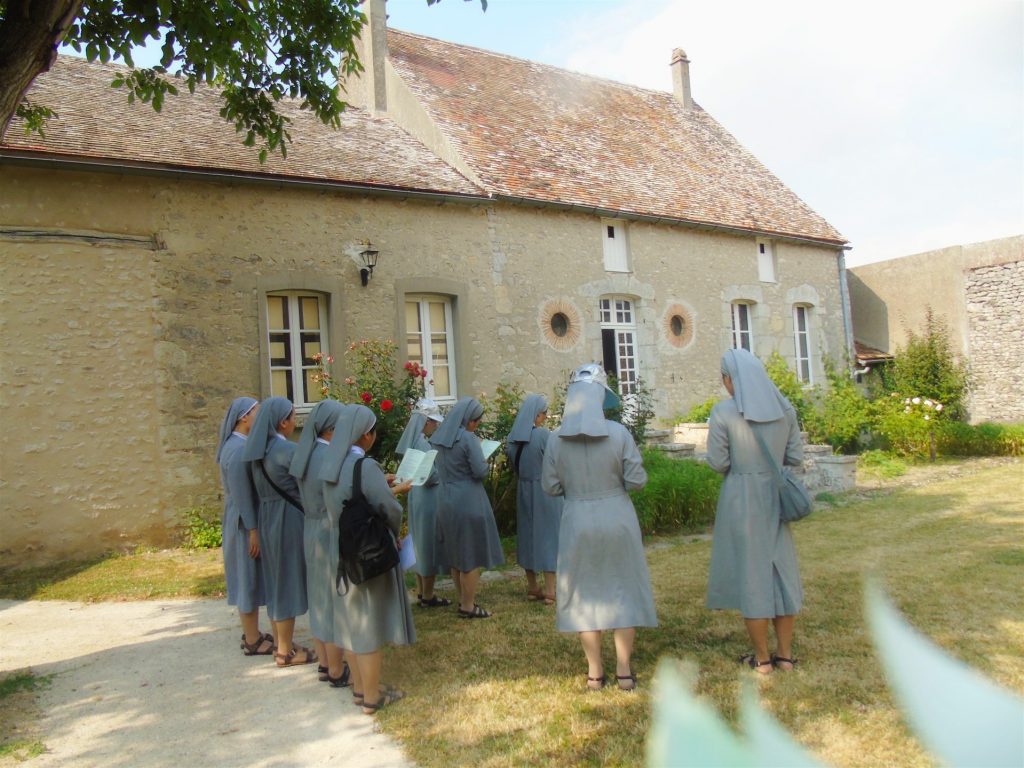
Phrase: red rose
(386, 405)
(366, 397)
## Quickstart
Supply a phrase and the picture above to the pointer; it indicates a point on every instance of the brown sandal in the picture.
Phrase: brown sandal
(290, 660)
(264, 646)
(549, 599)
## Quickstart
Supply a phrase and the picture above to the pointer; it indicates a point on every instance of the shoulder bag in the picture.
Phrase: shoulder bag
(366, 546)
(796, 502)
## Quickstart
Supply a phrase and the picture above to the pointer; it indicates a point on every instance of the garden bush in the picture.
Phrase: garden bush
(202, 528)
(699, 413)
(843, 416)
(680, 495)
(955, 438)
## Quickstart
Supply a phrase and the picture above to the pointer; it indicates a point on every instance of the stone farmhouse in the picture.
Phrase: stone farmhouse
(526, 219)
(978, 290)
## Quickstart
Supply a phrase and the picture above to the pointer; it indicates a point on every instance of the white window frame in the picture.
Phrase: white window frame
(425, 335)
(804, 362)
(296, 365)
(616, 246)
(767, 268)
(618, 314)
(740, 310)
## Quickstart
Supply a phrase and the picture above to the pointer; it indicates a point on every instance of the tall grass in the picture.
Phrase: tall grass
(680, 494)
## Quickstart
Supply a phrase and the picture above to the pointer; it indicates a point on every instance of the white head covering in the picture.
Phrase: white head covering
(464, 411)
(430, 409)
(756, 396)
(264, 429)
(522, 428)
(584, 411)
(238, 408)
(324, 416)
(354, 422)
(412, 432)
(595, 373)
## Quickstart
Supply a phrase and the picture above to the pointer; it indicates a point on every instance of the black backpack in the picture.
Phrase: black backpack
(366, 546)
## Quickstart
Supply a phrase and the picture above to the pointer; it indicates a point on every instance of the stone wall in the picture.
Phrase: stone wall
(994, 297)
(130, 308)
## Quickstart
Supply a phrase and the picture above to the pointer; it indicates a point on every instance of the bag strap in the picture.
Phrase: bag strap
(280, 492)
(519, 454)
(771, 459)
(357, 478)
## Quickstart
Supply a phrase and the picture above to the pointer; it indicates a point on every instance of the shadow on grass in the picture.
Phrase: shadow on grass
(27, 583)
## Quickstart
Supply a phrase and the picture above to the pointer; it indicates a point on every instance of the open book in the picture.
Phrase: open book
(489, 447)
(415, 466)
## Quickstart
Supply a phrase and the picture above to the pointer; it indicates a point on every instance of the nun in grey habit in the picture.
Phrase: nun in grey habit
(603, 580)
(465, 520)
(283, 563)
(317, 541)
(538, 514)
(239, 527)
(423, 506)
(753, 559)
(375, 613)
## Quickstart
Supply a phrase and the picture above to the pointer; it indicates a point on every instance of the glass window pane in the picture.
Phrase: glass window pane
(442, 385)
(277, 313)
(437, 317)
(313, 393)
(412, 317)
(310, 346)
(309, 312)
(280, 349)
(280, 384)
(414, 349)
(439, 349)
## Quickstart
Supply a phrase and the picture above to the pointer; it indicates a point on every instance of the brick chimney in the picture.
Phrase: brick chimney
(681, 78)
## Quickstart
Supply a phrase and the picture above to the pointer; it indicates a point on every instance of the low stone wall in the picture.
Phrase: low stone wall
(821, 470)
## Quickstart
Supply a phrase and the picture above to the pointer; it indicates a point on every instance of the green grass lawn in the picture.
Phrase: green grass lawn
(944, 541)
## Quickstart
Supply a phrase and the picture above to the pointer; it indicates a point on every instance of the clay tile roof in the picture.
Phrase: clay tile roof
(869, 355)
(96, 121)
(533, 131)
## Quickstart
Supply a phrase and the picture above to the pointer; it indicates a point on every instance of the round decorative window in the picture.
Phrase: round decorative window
(678, 325)
(561, 324)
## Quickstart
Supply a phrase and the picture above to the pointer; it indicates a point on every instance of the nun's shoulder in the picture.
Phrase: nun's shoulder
(724, 409)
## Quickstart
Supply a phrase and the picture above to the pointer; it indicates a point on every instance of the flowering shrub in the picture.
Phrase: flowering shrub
(378, 383)
(499, 416)
(908, 424)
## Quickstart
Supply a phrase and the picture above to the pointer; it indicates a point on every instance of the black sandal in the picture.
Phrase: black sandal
(390, 696)
(323, 674)
(751, 661)
(343, 680)
(776, 660)
(253, 649)
(476, 613)
(599, 680)
(632, 677)
(435, 602)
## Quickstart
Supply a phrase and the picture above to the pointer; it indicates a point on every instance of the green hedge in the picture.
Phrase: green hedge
(680, 495)
(956, 438)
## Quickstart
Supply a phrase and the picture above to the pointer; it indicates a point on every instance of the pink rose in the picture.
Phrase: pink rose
(366, 397)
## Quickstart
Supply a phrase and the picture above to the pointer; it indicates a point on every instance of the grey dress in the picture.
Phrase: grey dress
(465, 520)
(241, 572)
(317, 545)
(423, 521)
(281, 547)
(753, 559)
(376, 612)
(538, 514)
(603, 580)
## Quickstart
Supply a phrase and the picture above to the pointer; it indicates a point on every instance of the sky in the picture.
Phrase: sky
(899, 121)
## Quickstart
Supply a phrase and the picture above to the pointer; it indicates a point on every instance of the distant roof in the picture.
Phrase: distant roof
(541, 133)
(96, 122)
(869, 355)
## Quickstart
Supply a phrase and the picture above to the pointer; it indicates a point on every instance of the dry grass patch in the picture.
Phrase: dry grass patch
(509, 691)
(145, 575)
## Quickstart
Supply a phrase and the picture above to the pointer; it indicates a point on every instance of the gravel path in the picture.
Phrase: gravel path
(163, 683)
